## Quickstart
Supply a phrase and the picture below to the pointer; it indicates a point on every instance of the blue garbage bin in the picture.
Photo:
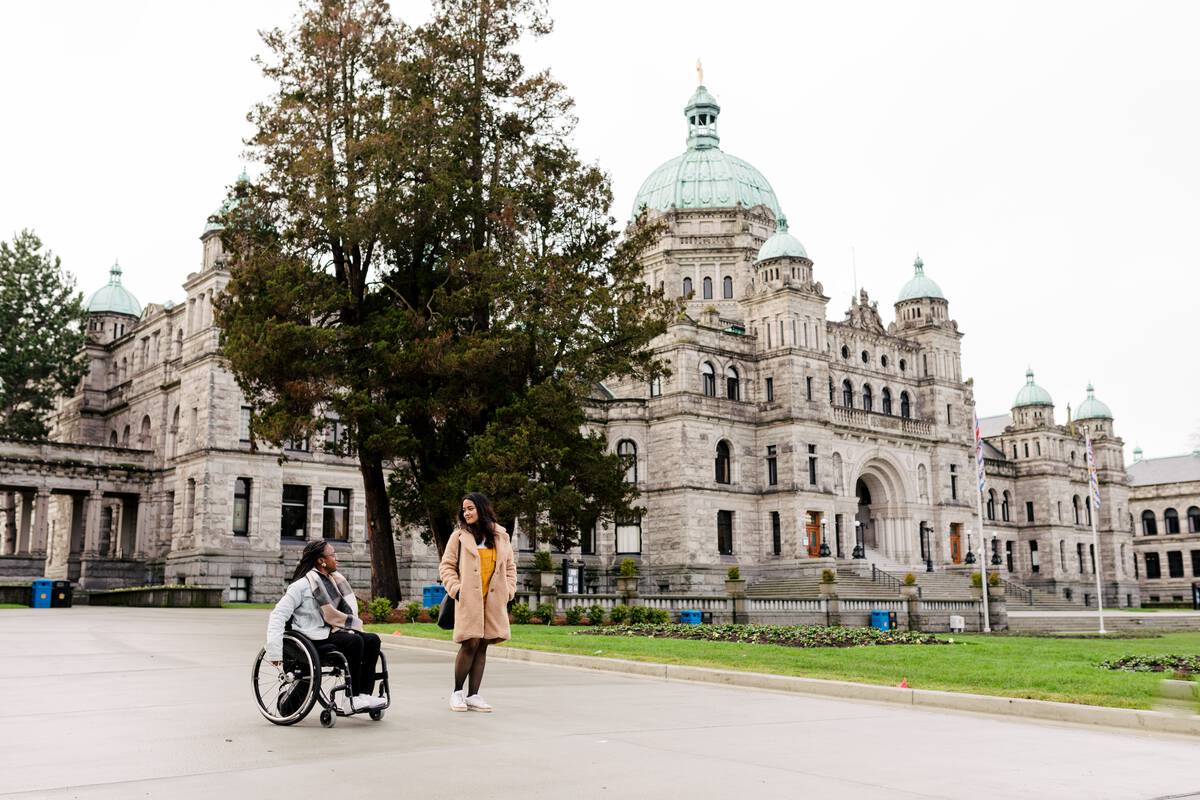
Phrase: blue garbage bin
(880, 620)
(432, 595)
(42, 594)
(690, 617)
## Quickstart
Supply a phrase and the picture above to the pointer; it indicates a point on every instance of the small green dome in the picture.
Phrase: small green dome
(1031, 394)
(704, 176)
(919, 286)
(1091, 408)
(781, 245)
(113, 298)
(229, 205)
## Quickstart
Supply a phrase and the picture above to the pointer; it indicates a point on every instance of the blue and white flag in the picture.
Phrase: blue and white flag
(979, 458)
(1093, 484)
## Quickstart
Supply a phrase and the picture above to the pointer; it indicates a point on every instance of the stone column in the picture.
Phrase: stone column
(8, 525)
(141, 528)
(25, 528)
(91, 524)
(41, 525)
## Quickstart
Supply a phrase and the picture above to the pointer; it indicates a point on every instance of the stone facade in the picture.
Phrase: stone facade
(1164, 520)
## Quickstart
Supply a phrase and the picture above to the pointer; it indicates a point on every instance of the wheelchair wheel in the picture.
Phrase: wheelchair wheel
(286, 694)
(376, 714)
(329, 718)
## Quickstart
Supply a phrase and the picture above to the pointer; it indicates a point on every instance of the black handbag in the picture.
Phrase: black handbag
(445, 619)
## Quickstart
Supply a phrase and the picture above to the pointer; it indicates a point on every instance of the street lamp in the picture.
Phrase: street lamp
(970, 557)
(926, 532)
(995, 552)
(858, 545)
(824, 552)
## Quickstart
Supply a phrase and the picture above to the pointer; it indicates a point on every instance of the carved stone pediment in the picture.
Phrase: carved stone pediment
(864, 315)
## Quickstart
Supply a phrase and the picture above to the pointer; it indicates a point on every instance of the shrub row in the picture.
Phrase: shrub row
(380, 610)
(788, 635)
(1161, 663)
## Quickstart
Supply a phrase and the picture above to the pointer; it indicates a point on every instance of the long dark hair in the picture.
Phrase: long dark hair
(485, 524)
(308, 559)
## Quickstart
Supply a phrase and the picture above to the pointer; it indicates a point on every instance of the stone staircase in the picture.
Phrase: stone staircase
(851, 585)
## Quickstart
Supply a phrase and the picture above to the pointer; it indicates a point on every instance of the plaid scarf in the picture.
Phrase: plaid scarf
(337, 615)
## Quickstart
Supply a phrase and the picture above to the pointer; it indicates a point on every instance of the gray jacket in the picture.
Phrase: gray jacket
(298, 605)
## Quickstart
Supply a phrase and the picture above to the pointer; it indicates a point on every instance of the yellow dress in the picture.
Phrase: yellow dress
(487, 568)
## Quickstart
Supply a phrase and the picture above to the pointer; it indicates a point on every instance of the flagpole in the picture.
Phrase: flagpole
(1094, 491)
(979, 480)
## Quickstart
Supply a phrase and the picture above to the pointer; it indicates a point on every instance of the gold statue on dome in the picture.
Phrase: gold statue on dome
(699, 72)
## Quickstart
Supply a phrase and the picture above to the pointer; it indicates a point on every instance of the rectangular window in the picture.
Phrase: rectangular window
(629, 536)
(1034, 563)
(244, 425)
(294, 520)
(772, 467)
(777, 536)
(336, 522)
(953, 482)
(189, 505)
(725, 533)
(587, 540)
(1153, 571)
(298, 445)
(656, 387)
(1092, 553)
(948, 420)
(1195, 563)
(1029, 511)
(241, 507)
(1079, 552)
(770, 389)
(812, 464)
(1008, 555)
(335, 434)
(1175, 564)
(239, 589)
(169, 521)
(808, 388)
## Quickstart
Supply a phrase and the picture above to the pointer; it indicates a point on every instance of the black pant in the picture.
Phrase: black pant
(361, 650)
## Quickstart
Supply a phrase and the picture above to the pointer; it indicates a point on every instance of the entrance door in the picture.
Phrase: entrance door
(956, 542)
(812, 533)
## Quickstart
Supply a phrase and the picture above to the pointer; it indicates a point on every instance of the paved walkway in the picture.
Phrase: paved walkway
(137, 703)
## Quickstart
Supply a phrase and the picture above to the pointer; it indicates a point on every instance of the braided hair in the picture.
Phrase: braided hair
(313, 552)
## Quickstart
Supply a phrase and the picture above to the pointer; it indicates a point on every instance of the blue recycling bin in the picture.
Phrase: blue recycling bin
(690, 617)
(881, 620)
(42, 594)
(432, 595)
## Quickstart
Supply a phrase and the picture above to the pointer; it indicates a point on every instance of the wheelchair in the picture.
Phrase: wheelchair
(306, 677)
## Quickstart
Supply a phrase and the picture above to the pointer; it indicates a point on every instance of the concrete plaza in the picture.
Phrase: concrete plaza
(134, 703)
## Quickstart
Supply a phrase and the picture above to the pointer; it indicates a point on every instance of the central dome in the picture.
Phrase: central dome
(704, 176)
(113, 298)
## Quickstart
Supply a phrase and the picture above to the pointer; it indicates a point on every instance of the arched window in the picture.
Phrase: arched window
(144, 435)
(1062, 554)
(1075, 505)
(627, 450)
(687, 287)
(1170, 521)
(847, 393)
(732, 389)
(173, 445)
(1194, 519)
(868, 398)
(727, 287)
(831, 391)
(709, 376)
(905, 406)
(125, 437)
(112, 439)
(885, 400)
(1004, 506)
(124, 369)
(991, 504)
(707, 284)
(1149, 523)
(1087, 506)
(656, 386)
(722, 462)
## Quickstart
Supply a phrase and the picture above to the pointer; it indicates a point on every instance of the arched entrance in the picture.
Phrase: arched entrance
(882, 515)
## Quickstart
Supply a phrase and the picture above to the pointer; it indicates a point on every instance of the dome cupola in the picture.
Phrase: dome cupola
(920, 287)
(781, 245)
(1031, 394)
(1091, 408)
(113, 298)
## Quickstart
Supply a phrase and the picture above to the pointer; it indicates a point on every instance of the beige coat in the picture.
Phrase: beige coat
(476, 617)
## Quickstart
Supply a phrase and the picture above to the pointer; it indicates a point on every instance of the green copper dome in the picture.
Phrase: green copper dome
(781, 245)
(114, 298)
(919, 286)
(230, 204)
(1031, 394)
(704, 176)
(1091, 408)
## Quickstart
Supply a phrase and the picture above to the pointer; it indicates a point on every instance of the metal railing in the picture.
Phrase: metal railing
(888, 579)
(1014, 589)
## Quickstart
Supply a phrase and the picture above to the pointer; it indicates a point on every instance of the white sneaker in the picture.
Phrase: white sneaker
(477, 703)
(457, 703)
(365, 702)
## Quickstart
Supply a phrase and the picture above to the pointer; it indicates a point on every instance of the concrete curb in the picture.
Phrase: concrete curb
(1133, 719)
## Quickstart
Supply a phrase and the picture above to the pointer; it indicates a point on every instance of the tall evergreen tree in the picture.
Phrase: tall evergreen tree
(427, 255)
(41, 336)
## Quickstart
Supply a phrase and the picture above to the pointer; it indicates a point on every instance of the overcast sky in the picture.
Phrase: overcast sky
(1043, 158)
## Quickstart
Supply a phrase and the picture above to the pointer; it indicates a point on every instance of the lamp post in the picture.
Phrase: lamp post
(926, 532)
(858, 545)
(824, 551)
(995, 552)
(970, 557)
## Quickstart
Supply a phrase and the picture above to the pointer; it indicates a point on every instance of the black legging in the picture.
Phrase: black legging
(361, 650)
(469, 664)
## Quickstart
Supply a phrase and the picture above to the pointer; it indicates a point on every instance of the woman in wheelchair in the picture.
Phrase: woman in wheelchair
(320, 605)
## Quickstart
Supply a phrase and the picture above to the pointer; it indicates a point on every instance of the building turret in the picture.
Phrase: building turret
(112, 309)
(1095, 414)
(782, 259)
(1033, 407)
(921, 301)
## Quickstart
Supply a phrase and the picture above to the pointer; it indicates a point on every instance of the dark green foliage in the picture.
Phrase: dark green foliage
(542, 561)
(628, 568)
(619, 614)
(595, 615)
(413, 609)
(545, 612)
(41, 336)
(574, 615)
(380, 609)
(521, 614)
(637, 615)
(658, 616)
(790, 635)
(734, 574)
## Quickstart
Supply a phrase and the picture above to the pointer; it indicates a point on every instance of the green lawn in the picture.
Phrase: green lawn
(13, 605)
(1011, 666)
(247, 605)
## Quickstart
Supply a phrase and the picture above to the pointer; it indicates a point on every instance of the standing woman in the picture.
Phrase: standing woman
(479, 572)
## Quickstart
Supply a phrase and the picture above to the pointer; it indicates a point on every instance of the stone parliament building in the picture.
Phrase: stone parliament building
(782, 441)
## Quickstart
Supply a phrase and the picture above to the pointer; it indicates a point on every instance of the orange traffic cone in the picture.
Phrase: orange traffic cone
(903, 684)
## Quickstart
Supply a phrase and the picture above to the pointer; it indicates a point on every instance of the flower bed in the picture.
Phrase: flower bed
(1162, 663)
(787, 635)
